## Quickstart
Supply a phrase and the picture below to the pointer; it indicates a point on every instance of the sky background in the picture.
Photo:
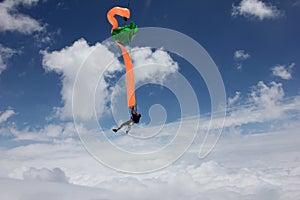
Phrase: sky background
(255, 46)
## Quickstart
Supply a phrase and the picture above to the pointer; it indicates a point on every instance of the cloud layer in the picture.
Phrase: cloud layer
(241, 166)
(34, 190)
(44, 174)
(263, 166)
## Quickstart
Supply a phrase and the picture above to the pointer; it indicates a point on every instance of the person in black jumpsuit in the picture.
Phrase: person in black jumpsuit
(135, 119)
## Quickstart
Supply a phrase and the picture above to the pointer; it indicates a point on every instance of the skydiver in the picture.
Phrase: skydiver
(134, 119)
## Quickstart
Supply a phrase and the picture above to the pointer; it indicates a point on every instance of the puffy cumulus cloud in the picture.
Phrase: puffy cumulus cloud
(67, 62)
(150, 66)
(99, 64)
(44, 174)
(12, 20)
(256, 9)
(153, 65)
(5, 53)
(267, 96)
(4, 116)
(283, 71)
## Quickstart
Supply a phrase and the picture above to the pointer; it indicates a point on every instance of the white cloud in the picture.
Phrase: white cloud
(156, 64)
(241, 55)
(97, 62)
(254, 166)
(12, 20)
(49, 132)
(283, 71)
(263, 166)
(36, 190)
(6, 114)
(5, 53)
(267, 96)
(234, 99)
(257, 166)
(256, 9)
(266, 103)
(68, 61)
(44, 174)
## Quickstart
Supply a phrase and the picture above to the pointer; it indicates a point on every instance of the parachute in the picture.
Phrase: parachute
(123, 36)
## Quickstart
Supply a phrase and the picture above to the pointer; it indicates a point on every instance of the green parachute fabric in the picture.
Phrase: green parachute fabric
(125, 33)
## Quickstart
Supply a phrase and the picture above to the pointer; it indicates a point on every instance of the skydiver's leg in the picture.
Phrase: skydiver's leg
(121, 126)
(125, 124)
(129, 125)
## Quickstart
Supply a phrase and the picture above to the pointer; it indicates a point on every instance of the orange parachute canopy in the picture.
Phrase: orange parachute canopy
(124, 12)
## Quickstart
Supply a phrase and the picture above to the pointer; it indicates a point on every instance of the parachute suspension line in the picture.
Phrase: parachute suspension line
(125, 18)
(134, 108)
(128, 4)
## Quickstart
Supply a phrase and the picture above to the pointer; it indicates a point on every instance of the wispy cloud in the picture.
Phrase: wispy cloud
(255, 9)
(233, 100)
(283, 71)
(12, 20)
(4, 116)
(5, 53)
(240, 56)
(267, 95)
(48, 133)
(265, 103)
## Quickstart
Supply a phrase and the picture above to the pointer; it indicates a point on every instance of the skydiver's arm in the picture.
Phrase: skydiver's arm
(133, 111)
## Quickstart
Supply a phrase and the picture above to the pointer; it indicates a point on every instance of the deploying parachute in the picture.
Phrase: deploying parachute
(123, 36)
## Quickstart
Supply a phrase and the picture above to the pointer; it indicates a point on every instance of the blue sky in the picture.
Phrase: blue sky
(256, 49)
(269, 42)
